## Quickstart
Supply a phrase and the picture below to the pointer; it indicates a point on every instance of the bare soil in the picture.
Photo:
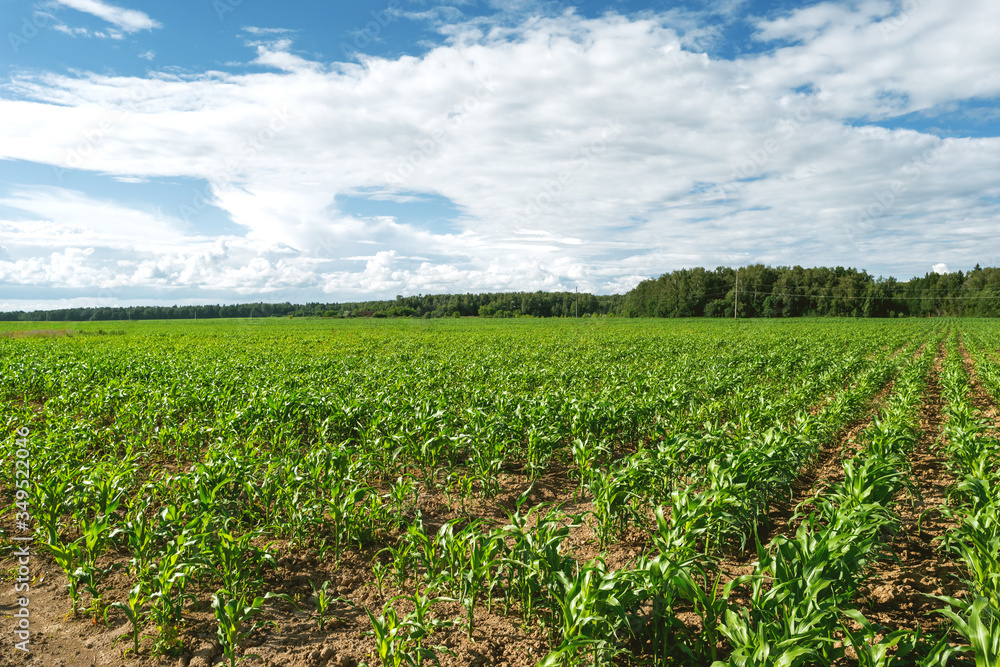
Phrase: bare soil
(896, 592)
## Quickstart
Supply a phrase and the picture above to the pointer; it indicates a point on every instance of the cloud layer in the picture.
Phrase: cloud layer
(581, 152)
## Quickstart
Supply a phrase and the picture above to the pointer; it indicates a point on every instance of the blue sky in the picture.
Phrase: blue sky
(228, 150)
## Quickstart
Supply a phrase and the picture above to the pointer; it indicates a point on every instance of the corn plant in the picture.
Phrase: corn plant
(232, 613)
(135, 611)
(238, 562)
(341, 508)
(533, 560)
(50, 505)
(402, 558)
(979, 623)
(142, 542)
(586, 455)
(168, 592)
(613, 498)
(487, 461)
(402, 641)
(540, 448)
(593, 612)
(399, 496)
(874, 652)
(96, 534)
(476, 578)
(322, 600)
(69, 557)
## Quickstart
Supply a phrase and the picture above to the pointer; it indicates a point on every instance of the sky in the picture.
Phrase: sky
(223, 151)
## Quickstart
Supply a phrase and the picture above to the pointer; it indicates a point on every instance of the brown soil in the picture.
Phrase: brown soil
(897, 588)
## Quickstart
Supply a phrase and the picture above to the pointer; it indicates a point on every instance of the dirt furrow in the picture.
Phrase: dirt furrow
(896, 591)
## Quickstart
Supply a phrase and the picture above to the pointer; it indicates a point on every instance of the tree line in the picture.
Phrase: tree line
(506, 304)
(764, 291)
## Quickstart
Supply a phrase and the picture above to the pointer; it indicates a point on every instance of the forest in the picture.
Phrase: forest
(766, 291)
(762, 291)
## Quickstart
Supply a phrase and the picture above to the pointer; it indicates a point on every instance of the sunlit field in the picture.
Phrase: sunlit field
(501, 492)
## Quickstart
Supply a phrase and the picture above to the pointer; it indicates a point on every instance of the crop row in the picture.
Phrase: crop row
(181, 461)
(973, 452)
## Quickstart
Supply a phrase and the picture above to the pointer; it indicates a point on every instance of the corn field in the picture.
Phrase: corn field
(517, 492)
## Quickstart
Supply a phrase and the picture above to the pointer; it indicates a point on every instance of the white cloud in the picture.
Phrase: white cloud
(940, 269)
(713, 162)
(148, 55)
(128, 20)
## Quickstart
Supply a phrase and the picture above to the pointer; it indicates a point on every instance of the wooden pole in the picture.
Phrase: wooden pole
(737, 299)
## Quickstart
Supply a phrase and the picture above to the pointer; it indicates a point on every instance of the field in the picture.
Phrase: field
(513, 492)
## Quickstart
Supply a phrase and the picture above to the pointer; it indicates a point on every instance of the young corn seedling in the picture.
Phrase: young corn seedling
(451, 551)
(69, 557)
(168, 591)
(50, 504)
(232, 613)
(665, 581)
(593, 612)
(487, 461)
(586, 457)
(342, 508)
(135, 612)
(381, 572)
(612, 498)
(401, 641)
(874, 652)
(541, 446)
(322, 599)
(476, 578)
(979, 623)
(239, 562)
(399, 496)
(142, 543)
(402, 561)
(90, 577)
(97, 534)
(425, 548)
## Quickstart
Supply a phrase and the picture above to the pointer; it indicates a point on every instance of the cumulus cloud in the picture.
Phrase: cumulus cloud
(579, 152)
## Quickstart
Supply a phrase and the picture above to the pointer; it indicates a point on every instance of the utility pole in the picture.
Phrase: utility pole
(736, 300)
